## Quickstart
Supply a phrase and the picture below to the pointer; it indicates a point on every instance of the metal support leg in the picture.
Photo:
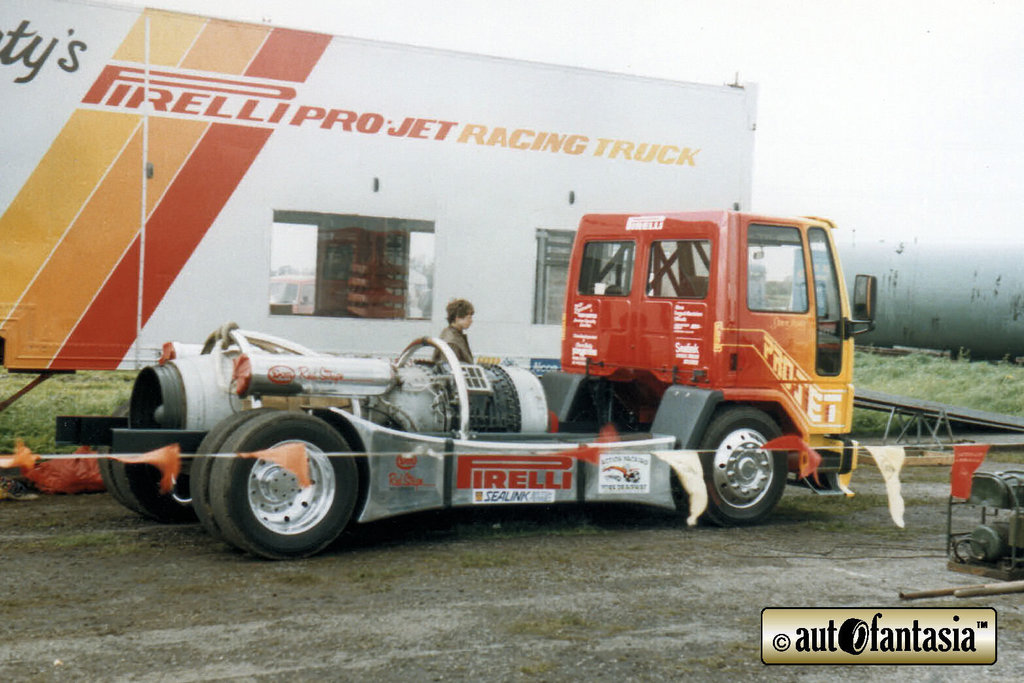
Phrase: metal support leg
(25, 389)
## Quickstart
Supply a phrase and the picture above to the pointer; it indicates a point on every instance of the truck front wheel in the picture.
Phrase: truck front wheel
(258, 506)
(745, 482)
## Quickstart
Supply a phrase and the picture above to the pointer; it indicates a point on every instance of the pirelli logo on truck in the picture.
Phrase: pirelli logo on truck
(245, 100)
(258, 102)
(515, 479)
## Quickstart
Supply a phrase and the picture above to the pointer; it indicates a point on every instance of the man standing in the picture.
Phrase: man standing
(460, 317)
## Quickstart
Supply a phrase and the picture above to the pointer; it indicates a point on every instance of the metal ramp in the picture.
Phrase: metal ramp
(930, 419)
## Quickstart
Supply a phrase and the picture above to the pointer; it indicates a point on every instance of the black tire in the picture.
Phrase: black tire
(744, 482)
(107, 472)
(113, 487)
(258, 506)
(140, 486)
(199, 481)
(137, 487)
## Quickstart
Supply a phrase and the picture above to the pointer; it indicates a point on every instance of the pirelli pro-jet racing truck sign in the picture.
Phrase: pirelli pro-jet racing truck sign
(164, 173)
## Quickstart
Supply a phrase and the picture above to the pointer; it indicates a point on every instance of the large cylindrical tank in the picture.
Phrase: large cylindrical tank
(949, 297)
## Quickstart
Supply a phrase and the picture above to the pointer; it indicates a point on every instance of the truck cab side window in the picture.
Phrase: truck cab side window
(776, 278)
(827, 304)
(679, 269)
(607, 268)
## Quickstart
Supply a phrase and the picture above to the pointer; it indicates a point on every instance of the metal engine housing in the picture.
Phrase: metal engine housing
(198, 390)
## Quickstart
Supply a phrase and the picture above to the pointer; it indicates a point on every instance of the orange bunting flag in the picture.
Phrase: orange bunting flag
(291, 456)
(23, 457)
(810, 459)
(966, 459)
(166, 459)
(591, 454)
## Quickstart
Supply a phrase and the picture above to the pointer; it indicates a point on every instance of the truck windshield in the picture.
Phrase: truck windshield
(776, 278)
(607, 268)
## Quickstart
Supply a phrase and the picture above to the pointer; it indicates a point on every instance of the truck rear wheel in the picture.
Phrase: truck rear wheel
(106, 466)
(744, 481)
(258, 506)
(137, 487)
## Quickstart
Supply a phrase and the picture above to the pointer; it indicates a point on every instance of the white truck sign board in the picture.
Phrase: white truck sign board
(164, 173)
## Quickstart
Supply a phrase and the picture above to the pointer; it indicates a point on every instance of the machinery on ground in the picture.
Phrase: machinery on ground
(994, 545)
(699, 337)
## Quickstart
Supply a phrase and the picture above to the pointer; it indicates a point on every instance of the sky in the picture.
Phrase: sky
(898, 119)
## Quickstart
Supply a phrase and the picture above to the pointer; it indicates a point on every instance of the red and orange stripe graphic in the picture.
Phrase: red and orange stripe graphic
(72, 289)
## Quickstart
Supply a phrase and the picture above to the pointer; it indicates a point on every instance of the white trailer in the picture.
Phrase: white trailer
(164, 173)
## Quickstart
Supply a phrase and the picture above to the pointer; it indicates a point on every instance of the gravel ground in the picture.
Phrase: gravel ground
(92, 592)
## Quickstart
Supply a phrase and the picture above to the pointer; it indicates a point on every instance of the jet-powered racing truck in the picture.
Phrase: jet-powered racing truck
(698, 337)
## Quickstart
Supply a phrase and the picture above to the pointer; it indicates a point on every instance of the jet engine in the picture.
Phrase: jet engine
(195, 388)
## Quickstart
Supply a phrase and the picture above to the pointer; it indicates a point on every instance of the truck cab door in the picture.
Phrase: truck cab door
(598, 324)
(674, 330)
(793, 324)
(830, 351)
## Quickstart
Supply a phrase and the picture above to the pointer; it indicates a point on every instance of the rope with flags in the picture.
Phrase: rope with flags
(685, 463)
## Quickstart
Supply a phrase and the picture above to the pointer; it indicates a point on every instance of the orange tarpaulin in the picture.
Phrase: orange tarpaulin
(68, 475)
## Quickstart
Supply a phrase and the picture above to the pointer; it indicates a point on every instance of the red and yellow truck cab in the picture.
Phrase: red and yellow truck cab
(742, 309)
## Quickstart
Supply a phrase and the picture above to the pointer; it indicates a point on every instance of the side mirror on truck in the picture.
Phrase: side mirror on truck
(865, 293)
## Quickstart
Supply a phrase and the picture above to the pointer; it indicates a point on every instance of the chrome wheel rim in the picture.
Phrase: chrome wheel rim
(280, 504)
(742, 470)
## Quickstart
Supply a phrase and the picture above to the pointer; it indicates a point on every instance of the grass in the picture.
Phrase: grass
(32, 418)
(996, 387)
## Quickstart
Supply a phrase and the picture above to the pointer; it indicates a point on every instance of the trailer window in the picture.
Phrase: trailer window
(351, 266)
(776, 277)
(679, 269)
(554, 248)
(607, 268)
